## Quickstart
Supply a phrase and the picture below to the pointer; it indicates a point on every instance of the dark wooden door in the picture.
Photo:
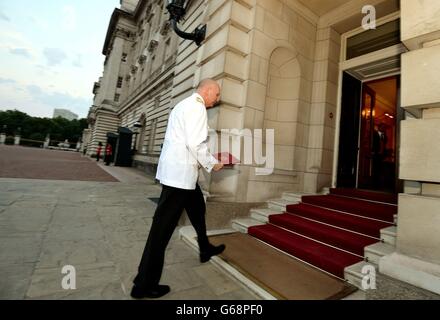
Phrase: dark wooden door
(366, 141)
(349, 132)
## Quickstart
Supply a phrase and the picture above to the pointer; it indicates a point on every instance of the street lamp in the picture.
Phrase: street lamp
(177, 10)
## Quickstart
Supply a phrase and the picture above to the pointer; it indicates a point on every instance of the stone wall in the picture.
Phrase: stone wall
(418, 236)
(105, 122)
(263, 54)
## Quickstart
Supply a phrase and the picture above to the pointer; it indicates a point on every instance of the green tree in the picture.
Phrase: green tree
(35, 128)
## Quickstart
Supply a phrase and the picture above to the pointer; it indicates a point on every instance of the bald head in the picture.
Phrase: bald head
(206, 83)
(209, 90)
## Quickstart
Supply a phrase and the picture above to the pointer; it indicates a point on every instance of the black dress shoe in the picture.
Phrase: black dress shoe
(205, 256)
(152, 293)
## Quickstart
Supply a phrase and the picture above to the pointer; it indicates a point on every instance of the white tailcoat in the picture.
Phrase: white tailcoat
(185, 147)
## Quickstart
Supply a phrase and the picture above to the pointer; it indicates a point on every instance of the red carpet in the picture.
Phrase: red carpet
(390, 198)
(380, 211)
(324, 257)
(358, 224)
(311, 230)
(342, 239)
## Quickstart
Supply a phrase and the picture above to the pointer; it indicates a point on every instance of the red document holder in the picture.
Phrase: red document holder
(227, 159)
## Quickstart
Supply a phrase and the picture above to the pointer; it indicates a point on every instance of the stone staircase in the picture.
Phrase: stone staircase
(353, 274)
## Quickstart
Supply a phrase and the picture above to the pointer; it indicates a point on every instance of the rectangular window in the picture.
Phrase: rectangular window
(152, 65)
(152, 138)
(382, 37)
(120, 81)
(117, 96)
(167, 51)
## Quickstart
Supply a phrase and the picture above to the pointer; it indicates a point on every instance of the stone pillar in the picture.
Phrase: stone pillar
(47, 142)
(225, 56)
(3, 135)
(417, 257)
(321, 134)
(17, 140)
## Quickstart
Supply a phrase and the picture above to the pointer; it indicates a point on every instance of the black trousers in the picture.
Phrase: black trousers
(169, 210)
(107, 159)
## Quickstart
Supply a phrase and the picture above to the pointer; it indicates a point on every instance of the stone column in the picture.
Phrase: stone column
(17, 140)
(321, 134)
(225, 56)
(3, 135)
(417, 257)
(47, 142)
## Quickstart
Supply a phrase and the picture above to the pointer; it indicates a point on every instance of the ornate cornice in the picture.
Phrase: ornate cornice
(117, 13)
(152, 45)
(142, 58)
(134, 69)
(166, 27)
(96, 87)
(150, 12)
(124, 33)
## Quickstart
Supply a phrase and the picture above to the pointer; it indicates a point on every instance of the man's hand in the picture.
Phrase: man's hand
(218, 167)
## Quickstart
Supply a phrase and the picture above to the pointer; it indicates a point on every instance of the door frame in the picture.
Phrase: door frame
(346, 65)
(338, 125)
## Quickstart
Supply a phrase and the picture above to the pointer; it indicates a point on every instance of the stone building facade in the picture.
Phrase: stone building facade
(287, 65)
(140, 50)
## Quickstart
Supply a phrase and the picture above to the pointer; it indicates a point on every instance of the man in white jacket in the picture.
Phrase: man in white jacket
(184, 151)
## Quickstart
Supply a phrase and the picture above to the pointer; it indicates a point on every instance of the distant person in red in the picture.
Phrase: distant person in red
(98, 152)
(108, 154)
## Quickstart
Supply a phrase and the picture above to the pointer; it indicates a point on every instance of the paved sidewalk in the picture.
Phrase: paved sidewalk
(100, 228)
(34, 163)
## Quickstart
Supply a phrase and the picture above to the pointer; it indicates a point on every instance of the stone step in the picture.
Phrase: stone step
(376, 251)
(278, 204)
(219, 196)
(243, 224)
(263, 214)
(355, 274)
(188, 235)
(389, 235)
(295, 197)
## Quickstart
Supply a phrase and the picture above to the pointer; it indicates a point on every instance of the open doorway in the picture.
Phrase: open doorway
(378, 135)
(369, 131)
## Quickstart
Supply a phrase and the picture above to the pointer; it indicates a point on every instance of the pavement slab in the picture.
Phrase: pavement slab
(72, 224)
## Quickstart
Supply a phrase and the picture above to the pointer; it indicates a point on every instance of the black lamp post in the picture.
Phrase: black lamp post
(177, 10)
